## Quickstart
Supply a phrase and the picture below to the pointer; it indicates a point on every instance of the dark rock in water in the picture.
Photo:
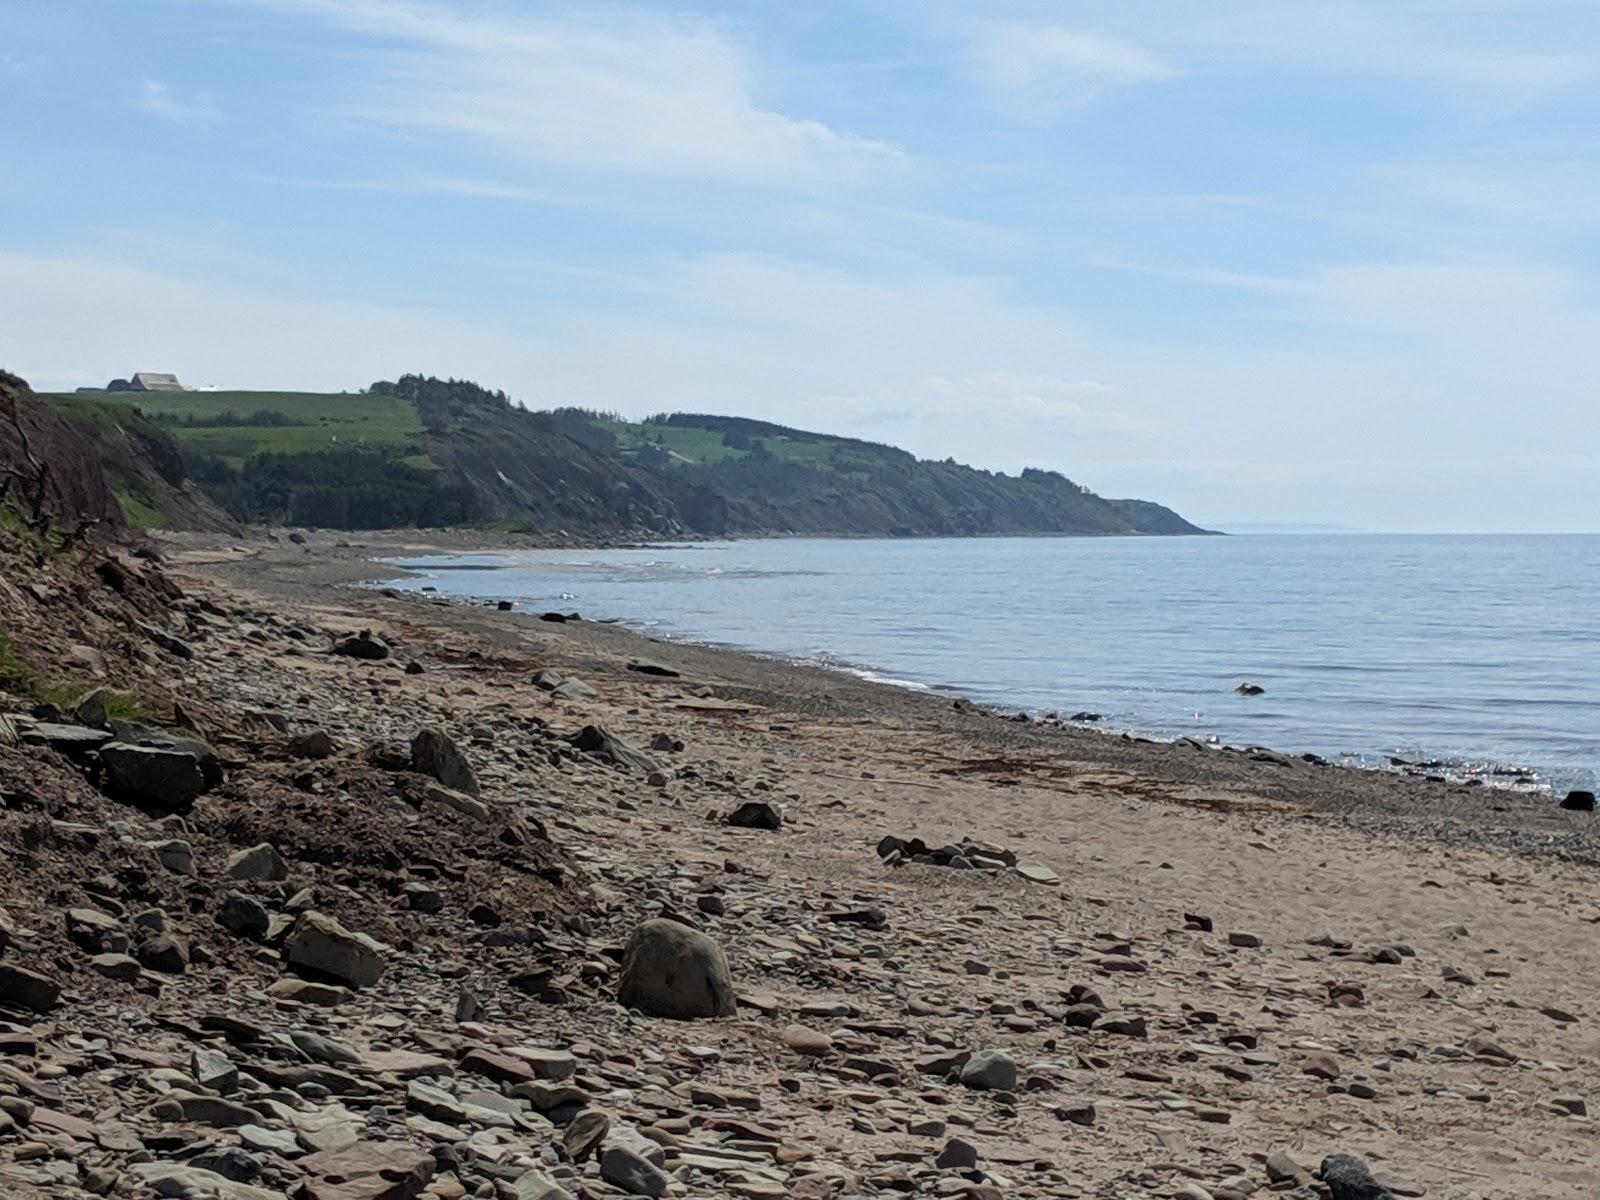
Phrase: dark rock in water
(592, 739)
(363, 645)
(166, 777)
(1250, 689)
(1347, 1177)
(505, 605)
(1578, 801)
(1085, 718)
(645, 667)
(559, 618)
(670, 970)
(756, 814)
(434, 754)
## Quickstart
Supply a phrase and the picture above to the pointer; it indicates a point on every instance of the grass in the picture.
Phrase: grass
(18, 677)
(137, 512)
(319, 420)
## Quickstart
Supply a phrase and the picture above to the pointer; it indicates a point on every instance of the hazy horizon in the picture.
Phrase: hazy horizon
(1318, 263)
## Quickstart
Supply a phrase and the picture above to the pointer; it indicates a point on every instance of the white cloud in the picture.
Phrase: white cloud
(1039, 72)
(626, 91)
(159, 100)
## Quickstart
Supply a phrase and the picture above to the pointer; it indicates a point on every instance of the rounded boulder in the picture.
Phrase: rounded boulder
(671, 970)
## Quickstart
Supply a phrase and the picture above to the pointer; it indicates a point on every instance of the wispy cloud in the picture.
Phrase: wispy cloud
(624, 91)
(1037, 72)
(161, 101)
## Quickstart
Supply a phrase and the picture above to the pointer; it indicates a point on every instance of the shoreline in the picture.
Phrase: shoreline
(1460, 770)
(1370, 798)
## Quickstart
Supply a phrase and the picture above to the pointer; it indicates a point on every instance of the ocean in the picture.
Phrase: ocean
(1459, 655)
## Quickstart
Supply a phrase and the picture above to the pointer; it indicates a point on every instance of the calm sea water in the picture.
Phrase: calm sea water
(1474, 651)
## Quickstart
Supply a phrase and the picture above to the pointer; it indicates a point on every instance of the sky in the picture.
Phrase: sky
(1261, 260)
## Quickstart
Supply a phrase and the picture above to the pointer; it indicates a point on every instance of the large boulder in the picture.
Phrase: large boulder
(670, 970)
(603, 744)
(364, 645)
(990, 1070)
(435, 754)
(165, 777)
(22, 988)
(320, 944)
(368, 1170)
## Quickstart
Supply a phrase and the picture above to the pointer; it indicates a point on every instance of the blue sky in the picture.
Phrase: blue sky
(1264, 260)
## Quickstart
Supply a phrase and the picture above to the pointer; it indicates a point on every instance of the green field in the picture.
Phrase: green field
(316, 421)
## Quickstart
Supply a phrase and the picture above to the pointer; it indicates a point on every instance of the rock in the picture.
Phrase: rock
(90, 708)
(1578, 801)
(434, 754)
(165, 954)
(646, 667)
(230, 1162)
(1283, 1169)
(592, 739)
(756, 814)
(319, 943)
(1320, 1066)
(368, 1171)
(1250, 689)
(1037, 874)
(990, 1070)
(670, 970)
(94, 932)
(564, 687)
(1244, 941)
(309, 991)
(171, 643)
(1572, 1104)
(364, 645)
(122, 967)
(584, 1133)
(22, 988)
(462, 803)
(258, 862)
(212, 1070)
(1347, 1178)
(957, 1155)
(314, 744)
(635, 1175)
(810, 1042)
(191, 1183)
(1079, 1112)
(176, 856)
(165, 777)
(536, 1185)
(243, 915)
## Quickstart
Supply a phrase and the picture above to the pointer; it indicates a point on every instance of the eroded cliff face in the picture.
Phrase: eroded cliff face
(47, 466)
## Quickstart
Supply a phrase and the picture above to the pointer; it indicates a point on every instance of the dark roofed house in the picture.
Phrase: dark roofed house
(155, 381)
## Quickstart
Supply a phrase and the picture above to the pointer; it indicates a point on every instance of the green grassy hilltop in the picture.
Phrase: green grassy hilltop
(423, 451)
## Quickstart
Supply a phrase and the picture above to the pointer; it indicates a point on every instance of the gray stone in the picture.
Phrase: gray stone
(990, 1070)
(166, 777)
(364, 645)
(670, 970)
(243, 915)
(435, 754)
(1347, 1178)
(258, 862)
(319, 943)
(635, 1175)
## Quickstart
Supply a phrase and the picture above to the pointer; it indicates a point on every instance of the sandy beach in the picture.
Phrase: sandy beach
(1120, 969)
